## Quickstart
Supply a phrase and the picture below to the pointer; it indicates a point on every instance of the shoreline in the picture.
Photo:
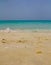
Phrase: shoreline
(25, 30)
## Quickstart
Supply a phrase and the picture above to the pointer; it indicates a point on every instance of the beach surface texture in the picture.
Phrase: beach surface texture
(25, 47)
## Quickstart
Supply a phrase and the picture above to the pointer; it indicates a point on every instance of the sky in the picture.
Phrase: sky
(25, 9)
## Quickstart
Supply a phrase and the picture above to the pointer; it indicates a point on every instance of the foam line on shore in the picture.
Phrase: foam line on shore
(25, 30)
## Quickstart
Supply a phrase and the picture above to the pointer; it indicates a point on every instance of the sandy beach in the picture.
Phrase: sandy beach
(25, 48)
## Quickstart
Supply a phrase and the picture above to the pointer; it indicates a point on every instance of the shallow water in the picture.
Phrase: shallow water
(26, 24)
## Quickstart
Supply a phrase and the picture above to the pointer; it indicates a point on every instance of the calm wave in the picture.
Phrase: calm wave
(25, 24)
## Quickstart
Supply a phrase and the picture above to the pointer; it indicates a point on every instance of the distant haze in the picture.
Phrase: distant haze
(25, 9)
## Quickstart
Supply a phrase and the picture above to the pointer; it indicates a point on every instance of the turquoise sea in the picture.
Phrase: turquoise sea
(25, 24)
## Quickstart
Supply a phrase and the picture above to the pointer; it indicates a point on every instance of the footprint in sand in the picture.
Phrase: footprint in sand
(3, 41)
(21, 41)
(39, 52)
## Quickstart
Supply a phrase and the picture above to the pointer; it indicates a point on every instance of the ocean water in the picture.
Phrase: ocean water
(26, 24)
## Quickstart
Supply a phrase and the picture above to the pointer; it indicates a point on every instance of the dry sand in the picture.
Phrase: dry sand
(25, 48)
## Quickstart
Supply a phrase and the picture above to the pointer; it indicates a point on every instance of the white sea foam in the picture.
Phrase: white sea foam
(25, 30)
(8, 30)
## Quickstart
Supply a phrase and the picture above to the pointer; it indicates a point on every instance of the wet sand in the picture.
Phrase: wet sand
(25, 48)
